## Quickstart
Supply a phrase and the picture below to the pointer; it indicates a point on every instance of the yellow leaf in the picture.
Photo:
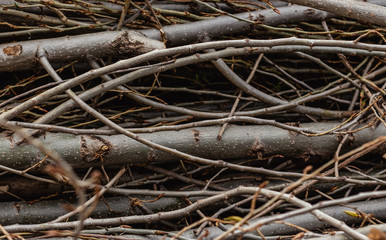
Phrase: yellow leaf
(352, 213)
(233, 218)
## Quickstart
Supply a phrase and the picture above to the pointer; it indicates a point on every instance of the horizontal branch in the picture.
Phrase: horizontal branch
(376, 207)
(307, 220)
(245, 141)
(22, 55)
(48, 210)
(362, 11)
(225, 25)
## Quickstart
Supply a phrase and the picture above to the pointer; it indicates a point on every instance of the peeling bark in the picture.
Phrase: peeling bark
(22, 55)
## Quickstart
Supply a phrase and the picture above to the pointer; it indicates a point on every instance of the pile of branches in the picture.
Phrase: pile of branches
(193, 119)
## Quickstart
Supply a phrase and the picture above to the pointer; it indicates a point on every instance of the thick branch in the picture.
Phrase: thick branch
(362, 11)
(22, 55)
(245, 142)
(19, 56)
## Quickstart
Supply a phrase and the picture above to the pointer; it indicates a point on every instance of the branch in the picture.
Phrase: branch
(245, 141)
(22, 55)
(362, 11)
(100, 44)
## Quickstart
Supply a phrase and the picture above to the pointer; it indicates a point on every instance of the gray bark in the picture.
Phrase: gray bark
(48, 210)
(238, 142)
(342, 236)
(22, 55)
(100, 44)
(362, 11)
(225, 25)
(308, 221)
